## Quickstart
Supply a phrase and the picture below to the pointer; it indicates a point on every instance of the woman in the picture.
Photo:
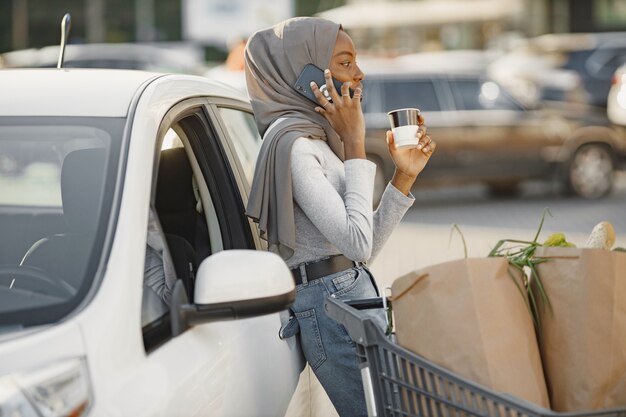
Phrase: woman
(313, 188)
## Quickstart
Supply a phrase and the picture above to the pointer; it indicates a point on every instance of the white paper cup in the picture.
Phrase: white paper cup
(404, 125)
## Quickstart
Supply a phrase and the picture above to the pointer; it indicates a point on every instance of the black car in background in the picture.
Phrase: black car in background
(485, 136)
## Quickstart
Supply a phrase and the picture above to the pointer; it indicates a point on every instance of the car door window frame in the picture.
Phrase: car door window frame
(213, 106)
(447, 113)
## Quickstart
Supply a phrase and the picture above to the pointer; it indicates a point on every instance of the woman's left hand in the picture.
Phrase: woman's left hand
(411, 161)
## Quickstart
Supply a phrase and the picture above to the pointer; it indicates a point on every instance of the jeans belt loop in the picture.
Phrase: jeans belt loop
(303, 273)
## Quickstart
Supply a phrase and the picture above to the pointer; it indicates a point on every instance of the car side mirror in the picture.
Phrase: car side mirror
(233, 284)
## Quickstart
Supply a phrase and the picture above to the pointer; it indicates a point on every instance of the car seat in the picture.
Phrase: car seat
(184, 260)
(176, 203)
(66, 255)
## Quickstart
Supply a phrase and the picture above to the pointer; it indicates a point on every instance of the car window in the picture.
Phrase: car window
(398, 94)
(30, 171)
(245, 137)
(57, 176)
(475, 94)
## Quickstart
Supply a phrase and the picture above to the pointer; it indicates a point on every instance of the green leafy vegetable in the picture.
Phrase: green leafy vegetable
(521, 257)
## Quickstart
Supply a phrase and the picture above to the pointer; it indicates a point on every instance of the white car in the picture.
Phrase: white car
(83, 331)
(616, 103)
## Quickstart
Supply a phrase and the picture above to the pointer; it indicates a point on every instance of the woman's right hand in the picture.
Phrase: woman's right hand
(344, 114)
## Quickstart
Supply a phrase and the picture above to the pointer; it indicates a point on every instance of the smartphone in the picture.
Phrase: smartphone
(313, 73)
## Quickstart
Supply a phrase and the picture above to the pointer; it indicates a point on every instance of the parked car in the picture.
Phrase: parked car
(616, 102)
(81, 331)
(160, 57)
(484, 135)
(562, 67)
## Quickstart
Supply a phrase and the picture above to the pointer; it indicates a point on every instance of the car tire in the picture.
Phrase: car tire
(590, 172)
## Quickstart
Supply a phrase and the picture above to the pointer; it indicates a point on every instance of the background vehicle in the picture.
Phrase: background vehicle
(161, 57)
(80, 330)
(562, 67)
(484, 135)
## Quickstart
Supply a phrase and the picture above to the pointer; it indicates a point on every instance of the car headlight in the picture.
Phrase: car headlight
(59, 390)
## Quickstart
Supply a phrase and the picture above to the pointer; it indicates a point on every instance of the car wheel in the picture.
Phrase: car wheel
(590, 172)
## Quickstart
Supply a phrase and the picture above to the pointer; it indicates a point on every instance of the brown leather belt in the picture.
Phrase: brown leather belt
(319, 269)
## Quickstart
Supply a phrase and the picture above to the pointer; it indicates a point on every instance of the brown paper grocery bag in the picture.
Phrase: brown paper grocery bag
(469, 317)
(583, 343)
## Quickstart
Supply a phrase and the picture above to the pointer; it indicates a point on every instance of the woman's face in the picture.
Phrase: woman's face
(343, 61)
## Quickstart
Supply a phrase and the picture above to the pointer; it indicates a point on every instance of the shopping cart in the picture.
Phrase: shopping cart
(398, 382)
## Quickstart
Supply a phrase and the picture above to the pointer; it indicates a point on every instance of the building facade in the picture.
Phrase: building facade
(390, 27)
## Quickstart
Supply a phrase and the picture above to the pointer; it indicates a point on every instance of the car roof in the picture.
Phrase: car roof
(88, 92)
(468, 62)
(423, 73)
(567, 42)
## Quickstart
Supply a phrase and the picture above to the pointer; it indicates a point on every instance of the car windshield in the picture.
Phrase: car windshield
(57, 177)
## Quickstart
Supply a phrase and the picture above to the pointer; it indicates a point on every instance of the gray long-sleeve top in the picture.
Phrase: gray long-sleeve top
(333, 205)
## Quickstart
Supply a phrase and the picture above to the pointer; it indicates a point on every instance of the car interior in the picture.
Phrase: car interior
(184, 208)
(177, 208)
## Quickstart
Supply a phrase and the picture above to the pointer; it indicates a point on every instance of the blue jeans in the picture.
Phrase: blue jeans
(327, 347)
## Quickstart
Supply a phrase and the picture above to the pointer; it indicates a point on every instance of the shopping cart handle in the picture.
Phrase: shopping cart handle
(366, 303)
(360, 327)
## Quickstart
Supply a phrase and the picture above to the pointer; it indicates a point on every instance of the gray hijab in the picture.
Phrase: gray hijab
(274, 58)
